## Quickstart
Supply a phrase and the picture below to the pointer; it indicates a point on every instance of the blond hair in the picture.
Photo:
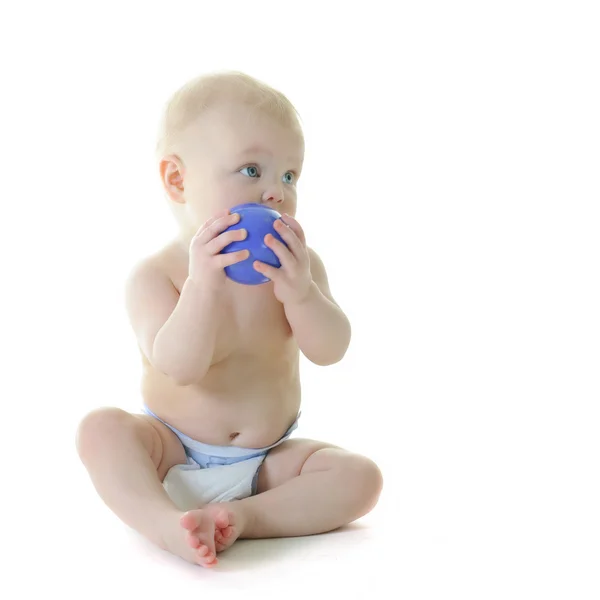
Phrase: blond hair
(203, 92)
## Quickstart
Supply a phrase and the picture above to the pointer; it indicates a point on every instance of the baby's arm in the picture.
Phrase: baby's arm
(176, 332)
(320, 327)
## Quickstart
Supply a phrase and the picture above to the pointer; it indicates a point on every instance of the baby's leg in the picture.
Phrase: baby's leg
(307, 487)
(127, 457)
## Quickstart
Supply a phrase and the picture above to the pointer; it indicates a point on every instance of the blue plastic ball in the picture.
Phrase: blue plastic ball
(258, 221)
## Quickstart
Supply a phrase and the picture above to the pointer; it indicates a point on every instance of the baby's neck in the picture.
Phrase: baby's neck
(184, 237)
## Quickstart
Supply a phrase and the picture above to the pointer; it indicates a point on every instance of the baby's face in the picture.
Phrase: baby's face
(241, 155)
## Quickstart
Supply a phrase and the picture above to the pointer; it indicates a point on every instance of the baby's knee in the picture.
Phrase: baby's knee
(368, 481)
(98, 427)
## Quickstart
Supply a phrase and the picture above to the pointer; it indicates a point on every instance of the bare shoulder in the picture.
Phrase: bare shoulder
(168, 262)
(146, 270)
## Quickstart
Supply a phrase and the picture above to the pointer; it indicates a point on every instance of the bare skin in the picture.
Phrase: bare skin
(221, 365)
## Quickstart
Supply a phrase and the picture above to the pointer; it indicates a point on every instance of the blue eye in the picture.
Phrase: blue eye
(251, 171)
(288, 177)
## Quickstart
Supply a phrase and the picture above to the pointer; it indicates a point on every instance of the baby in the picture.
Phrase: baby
(221, 385)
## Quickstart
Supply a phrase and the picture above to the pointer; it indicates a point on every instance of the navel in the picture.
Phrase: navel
(233, 435)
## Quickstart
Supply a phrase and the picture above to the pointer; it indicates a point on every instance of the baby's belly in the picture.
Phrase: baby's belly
(239, 403)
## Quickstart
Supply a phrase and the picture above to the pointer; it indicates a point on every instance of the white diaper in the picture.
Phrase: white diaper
(190, 486)
(214, 473)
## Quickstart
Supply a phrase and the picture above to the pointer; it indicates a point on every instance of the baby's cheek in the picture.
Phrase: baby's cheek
(289, 206)
(221, 196)
(231, 195)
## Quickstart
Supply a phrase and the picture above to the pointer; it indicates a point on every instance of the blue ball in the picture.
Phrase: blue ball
(258, 221)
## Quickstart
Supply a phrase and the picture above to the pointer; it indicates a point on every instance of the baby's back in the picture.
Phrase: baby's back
(250, 394)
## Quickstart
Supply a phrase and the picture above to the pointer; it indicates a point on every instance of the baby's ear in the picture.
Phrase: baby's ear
(171, 175)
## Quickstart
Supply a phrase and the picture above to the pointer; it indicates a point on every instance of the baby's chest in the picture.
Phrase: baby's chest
(253, 322)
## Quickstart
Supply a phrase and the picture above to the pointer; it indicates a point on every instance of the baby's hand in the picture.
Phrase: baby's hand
(293, 280)
(206, 263)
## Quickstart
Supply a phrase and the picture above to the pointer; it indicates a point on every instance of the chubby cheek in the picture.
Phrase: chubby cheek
(214, 197)
(232, 195)
(229, 193)
(288, 206)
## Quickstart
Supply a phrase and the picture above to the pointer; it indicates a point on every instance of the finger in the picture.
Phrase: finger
(209, 222)
(295, 227)
(231, 258)
(286, 258)
(217, 227)
(224, 239)
(288, 235)
(273, 273)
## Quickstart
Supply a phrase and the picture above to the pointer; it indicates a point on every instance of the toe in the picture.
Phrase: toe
(208, 560)
(191, 520)
(193, 540)
(227, 532)
(222, 518)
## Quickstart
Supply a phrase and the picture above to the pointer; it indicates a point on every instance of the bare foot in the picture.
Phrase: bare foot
(226, 528)
(199, 534)
(193, 538)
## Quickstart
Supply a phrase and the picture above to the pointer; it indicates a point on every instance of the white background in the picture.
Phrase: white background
(451, 187)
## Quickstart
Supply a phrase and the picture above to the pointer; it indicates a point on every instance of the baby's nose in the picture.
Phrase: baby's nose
(273, 194)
